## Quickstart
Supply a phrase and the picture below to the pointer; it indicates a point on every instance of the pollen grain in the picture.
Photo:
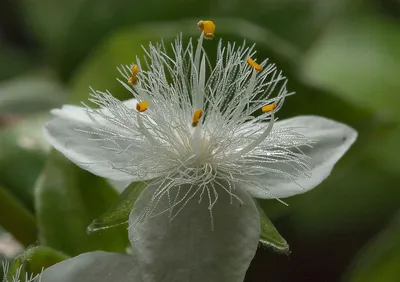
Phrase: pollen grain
(135, 70)
(142, 106)
(196, 116)
(253, 64)
(268, 108)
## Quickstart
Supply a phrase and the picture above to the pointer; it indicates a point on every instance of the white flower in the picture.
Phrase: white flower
(205, 138)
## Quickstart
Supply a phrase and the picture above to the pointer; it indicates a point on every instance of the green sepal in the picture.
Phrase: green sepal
(269, 234)
(119, 212)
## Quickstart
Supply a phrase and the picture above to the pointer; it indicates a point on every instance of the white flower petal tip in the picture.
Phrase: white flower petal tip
(196, 243)
(318, 142)
(93, 267)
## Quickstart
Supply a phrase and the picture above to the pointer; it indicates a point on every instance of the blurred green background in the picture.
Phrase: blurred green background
(341, 57)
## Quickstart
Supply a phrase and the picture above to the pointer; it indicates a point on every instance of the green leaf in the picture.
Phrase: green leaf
(16, 219)
(22, 156)
(63, 26)
(30, 94)
(14, 61)
(385, 155)
(67, 199)
(33, 261)
(359, 59)
(119, 212)
(288, 20)
(380, 259)
(269, 235)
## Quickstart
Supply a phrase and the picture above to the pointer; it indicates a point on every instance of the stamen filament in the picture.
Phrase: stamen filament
(198, 52)
(258, 140)
(200, 87)
(247, 95)
(142, 129)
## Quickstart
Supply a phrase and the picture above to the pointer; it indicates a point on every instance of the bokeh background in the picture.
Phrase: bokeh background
(342, 58)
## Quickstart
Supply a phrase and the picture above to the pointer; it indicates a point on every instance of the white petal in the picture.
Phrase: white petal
(333, 140)
(79, 113)
(69, 132)
(93, 267)
(186, 248)
(72, 112)
(63, 136)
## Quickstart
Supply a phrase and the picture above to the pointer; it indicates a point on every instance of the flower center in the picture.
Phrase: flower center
(202, 151)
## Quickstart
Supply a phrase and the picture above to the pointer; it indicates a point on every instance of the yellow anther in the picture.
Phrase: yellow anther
(196, 116)
(208, 27)
(268, 108)
(132, 80)
(142, 106)
(135, 70)
(253, 64)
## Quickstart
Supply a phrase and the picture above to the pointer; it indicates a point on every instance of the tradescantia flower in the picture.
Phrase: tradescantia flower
(205, 139)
